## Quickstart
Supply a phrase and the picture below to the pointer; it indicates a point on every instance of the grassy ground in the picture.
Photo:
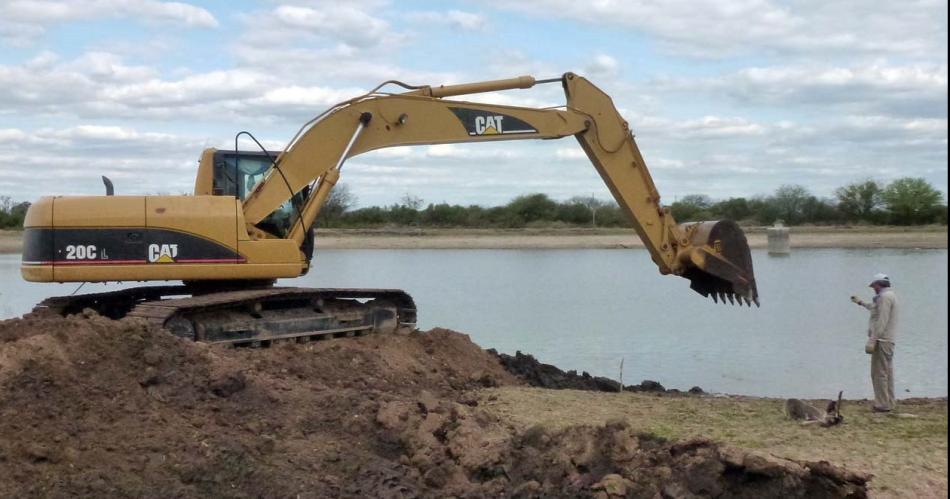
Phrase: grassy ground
(907, 452)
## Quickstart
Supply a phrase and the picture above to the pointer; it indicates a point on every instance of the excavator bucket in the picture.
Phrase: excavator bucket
(720, 263)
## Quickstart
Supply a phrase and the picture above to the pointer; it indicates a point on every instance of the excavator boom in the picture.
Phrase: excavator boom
(251, 218)
(714, 256)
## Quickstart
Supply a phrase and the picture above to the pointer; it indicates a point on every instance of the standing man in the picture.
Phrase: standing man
(881, 335)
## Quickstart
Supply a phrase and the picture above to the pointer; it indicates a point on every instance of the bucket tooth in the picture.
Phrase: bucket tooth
(715, 297)
(732, 299)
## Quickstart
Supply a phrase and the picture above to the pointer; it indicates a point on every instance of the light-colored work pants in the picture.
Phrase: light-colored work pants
(882, 374)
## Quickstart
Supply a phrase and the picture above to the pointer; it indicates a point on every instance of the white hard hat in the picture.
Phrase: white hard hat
(881, 277)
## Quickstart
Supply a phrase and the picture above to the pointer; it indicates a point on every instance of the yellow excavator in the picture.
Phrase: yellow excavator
(250, 220)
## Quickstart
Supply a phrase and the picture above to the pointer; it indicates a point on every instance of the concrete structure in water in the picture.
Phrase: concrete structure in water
(779, 239)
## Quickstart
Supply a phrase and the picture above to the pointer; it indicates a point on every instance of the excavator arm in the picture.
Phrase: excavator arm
(230, 241)
(714, 256)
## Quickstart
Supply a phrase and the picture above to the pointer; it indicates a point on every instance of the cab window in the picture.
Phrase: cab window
(237, 175)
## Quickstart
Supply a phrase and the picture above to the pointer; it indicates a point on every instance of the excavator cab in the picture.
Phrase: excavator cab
(237, 173)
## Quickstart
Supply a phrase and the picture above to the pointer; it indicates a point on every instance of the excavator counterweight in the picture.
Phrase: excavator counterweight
(250, 220)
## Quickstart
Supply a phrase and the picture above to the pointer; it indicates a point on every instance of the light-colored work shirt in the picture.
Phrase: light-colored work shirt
(883, 323)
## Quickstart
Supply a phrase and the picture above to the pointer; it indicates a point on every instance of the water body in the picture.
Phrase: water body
(590, 309)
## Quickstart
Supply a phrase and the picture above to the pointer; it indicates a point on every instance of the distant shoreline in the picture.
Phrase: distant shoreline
(930, 237)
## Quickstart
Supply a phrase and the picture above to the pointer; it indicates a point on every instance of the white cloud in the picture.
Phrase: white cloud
(354, 44)
(99, 84)
(524, 98)
(817, 96)
(103, 67)
(25, 20)
(345, 23)
(205, 87)
(725, 27)
(706, 128)
(91, 137)
(602, 66)
(570, 153)
(452, 18)
(445, 151)
(906, 90)
(311, 96)
(70, 160)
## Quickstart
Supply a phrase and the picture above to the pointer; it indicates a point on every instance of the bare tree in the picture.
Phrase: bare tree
(338, 203)
(410, 201)
(593, 204)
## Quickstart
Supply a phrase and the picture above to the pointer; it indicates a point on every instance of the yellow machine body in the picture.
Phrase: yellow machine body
(251, 216)
(146, 238)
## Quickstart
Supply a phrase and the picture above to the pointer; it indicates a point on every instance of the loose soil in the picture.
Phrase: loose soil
(91, 407)
(537, 374)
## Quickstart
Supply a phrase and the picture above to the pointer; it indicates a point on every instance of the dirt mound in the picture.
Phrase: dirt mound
(535, 373)
(97, 408)
(459, 451)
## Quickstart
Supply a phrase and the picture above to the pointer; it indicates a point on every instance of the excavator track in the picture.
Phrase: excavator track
(253, 317)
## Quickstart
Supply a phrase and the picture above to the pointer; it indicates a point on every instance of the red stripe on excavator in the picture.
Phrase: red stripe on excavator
(211, 260)
(135, 262)
(96, 262)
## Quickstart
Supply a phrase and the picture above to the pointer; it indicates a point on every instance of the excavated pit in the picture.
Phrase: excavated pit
(91, 407)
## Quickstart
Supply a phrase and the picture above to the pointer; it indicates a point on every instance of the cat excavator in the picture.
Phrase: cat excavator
(251, 218)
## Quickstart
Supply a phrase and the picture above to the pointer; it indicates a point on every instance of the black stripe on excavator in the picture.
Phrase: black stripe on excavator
(478, 122)
(120, 246)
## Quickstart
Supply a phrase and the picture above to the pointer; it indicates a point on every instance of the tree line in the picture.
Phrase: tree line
(905, 201)
(12, 213)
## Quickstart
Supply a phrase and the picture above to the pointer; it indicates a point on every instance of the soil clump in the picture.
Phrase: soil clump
(91, 407)
(535, 373)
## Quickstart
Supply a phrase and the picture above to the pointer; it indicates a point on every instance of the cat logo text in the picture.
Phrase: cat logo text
(489, 125)
(162, 253)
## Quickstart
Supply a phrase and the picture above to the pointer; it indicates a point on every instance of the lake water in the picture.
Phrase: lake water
(590, 309)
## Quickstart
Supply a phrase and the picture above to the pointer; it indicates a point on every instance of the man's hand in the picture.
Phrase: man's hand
(857, 300)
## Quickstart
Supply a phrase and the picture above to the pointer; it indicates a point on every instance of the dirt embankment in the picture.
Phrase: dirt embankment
(95, 408)
(536, 373)
(10, 241)
(931, 237)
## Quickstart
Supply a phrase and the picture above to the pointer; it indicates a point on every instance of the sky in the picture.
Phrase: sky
(726, 97)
